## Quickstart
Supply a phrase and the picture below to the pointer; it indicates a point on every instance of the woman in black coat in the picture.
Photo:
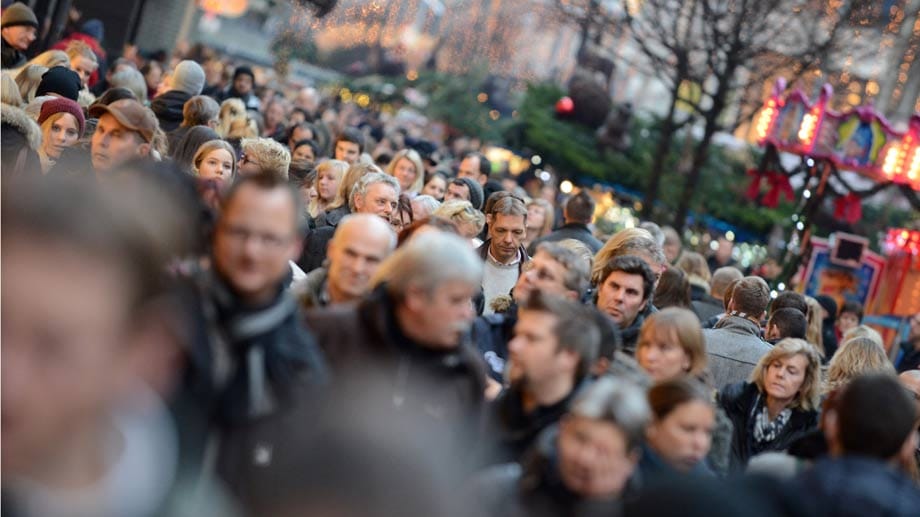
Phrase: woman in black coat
(778, 405)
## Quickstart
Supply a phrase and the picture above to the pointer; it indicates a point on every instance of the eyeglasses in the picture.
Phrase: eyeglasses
(241, 235)
(244, 159)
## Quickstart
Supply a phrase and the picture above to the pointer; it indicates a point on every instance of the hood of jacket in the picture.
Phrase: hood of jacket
(168, 106)
(17, 119)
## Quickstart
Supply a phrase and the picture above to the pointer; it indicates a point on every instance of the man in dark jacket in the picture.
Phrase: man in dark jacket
(734, 346)
(502, 252)
(412, 330)
(200, 110)
(375, 193)
(252, 358)
(578, 213)
(871, 434)
(911, 347)
(555, 345)
(19, 30)
(624, 293)
(712, 304)
(563, 474)
(185, 82)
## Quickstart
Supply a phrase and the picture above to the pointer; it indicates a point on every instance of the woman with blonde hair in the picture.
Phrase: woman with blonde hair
(328, 179)
(814, 329)
(778, 405)
(50, 59)
(406, 166)
(231, 110)
(28, 80)
(10, 90)
(697, 270)
(630, 241)
(540, 220)
(62, 123)
(468, 220)
(857, 356)
(671, 345)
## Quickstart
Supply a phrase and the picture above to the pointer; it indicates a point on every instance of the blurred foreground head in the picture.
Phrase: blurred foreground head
(83, 309)
(353, 456)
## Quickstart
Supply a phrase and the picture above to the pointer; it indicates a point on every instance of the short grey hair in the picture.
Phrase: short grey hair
(428, 203)
(132, 79)
(427, 261)
(366, 181)
(619, 402)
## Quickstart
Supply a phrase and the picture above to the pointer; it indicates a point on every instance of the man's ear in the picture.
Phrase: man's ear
(483, 178)
(143, 150)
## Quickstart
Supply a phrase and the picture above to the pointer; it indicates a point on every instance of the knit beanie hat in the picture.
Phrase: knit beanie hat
(94, 28)
(187, 77)
(476, 195)
(18, 14)
(62, 81)
(240, 70)
(62, 105)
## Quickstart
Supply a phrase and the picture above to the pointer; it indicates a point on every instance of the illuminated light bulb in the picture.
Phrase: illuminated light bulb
(730, 235)
(806, 194)
(566, 187)
(890, 165)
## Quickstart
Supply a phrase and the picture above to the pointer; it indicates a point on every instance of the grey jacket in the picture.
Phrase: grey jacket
(734, 346)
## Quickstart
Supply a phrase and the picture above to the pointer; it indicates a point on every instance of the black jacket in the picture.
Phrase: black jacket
(510, 432)
(630, 334)
(577, 231)
(20, 141)
(706, 307)
(11, 56)
(364, 341)
(217, 403)
(854, 486)
(535, 488)
(168, 109)
(740, 401)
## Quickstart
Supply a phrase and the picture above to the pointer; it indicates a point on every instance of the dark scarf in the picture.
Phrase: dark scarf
(261, 355)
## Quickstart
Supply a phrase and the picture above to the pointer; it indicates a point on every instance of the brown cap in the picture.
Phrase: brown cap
(131, 114)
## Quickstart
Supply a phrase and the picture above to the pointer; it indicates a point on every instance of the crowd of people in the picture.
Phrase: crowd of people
(222, 297)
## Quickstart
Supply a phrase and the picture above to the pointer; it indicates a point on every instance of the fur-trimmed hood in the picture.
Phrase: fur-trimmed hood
(21, 122)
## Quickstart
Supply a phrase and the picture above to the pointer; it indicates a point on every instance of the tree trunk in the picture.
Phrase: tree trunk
(661, 153)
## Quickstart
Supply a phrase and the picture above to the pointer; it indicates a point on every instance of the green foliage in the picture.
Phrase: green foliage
(453, 99)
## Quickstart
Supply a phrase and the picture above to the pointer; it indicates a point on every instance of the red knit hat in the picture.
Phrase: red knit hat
(62, 105)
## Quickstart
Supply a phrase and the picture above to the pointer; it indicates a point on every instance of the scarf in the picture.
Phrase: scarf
(258, 354)
(766, 431)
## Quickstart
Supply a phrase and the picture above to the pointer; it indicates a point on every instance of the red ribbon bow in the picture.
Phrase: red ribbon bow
(848, 208)
(779, 185)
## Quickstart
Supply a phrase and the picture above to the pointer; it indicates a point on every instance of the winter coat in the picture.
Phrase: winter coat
(510, 432)
(11, 56)
(245, 367)
(706, 307)
(168, 109)
(311, 290)
(251, 101)
(577, 231)
(20, 141)
(734, 347)
(740, 402)
(314, 248)
(535, 488)
(445, 386)
(855, 486)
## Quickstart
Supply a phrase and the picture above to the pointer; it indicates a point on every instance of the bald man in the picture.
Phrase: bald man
(359, 245)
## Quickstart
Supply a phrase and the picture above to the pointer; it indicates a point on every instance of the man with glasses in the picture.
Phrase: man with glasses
(264, 155)
(253, 358)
